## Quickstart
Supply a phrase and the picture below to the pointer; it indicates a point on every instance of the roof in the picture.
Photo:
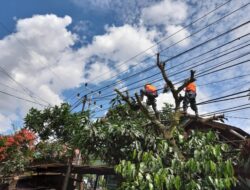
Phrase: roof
(62, 168)
(227, 132)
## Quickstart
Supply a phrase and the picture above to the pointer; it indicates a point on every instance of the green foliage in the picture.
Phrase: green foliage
(129, 140)
(205, 165)
(16, 162)
(46, 152)
(115, 137)
(58, 130)
(55, 122)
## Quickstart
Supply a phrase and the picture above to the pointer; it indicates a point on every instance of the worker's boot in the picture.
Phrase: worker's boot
(184, 112)
(181, 98)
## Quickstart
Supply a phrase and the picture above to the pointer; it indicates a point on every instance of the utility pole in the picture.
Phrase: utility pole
(84, 102)
(70, 161)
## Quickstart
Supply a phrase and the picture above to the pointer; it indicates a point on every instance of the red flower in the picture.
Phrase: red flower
(10, 141)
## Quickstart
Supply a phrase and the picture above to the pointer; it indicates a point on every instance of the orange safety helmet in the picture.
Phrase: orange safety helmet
(191, 87)
(150, 88)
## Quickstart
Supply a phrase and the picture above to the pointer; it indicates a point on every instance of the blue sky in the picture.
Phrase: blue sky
(51, 49)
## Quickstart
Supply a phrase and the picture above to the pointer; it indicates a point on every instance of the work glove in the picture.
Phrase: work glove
(192, 74)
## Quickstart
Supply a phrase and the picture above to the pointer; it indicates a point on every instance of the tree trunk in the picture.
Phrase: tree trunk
(67, 175)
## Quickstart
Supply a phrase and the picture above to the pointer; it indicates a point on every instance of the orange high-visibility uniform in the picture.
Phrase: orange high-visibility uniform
(150, 88)
(191, 87)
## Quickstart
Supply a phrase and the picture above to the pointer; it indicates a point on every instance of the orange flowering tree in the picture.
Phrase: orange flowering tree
(16, 151)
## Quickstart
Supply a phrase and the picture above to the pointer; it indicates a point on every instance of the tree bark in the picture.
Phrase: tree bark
(67, 175)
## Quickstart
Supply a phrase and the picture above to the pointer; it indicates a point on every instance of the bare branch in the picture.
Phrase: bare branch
(125, 98)
(161, 66)
(152, 118)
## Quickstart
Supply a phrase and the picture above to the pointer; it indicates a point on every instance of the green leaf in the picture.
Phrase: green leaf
(151, 187)
(177, 182)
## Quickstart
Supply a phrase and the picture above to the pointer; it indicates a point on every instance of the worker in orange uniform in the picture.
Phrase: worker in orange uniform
(151, 92)
(190, 95)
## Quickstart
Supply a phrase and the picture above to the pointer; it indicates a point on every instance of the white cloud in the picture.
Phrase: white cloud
(165, 12)
(127, 11)
(164, 98)
(103, 4)
(39, 56)
(179, 34)
(96, 70)
(5, 122)
(121, 43)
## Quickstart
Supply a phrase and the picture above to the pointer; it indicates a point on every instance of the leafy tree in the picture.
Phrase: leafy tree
(206, 165)
(59, 124)
(112, 139)
(46, 152)
(147, 160)
(177, 160)
(55, 122)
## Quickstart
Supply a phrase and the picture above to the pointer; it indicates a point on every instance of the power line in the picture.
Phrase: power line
(165, 38)
(25, 89)
(206, 100)
(20, 98)
(230, 109)
(179, 42)
(159, 73)
(195, 47)
(222, 100)
(223, 80)
(192, 67)
(26, 50)
(236, 64)
(16, 90)
(218, 99)
(237, 117)
(178, 72)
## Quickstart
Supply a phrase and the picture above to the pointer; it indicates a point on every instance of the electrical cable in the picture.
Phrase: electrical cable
(192, 67)
(192, 35)
(225, 110)
(237, 117)
(218, 99)
(26, 50)
(20, 98)
(165, 38)
(25, 89)
(211, 39)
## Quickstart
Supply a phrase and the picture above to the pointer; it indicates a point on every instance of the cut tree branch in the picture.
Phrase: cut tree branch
(169, 83)
(125, 98)
(167, 133)
(152, 117)
(207, 119)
